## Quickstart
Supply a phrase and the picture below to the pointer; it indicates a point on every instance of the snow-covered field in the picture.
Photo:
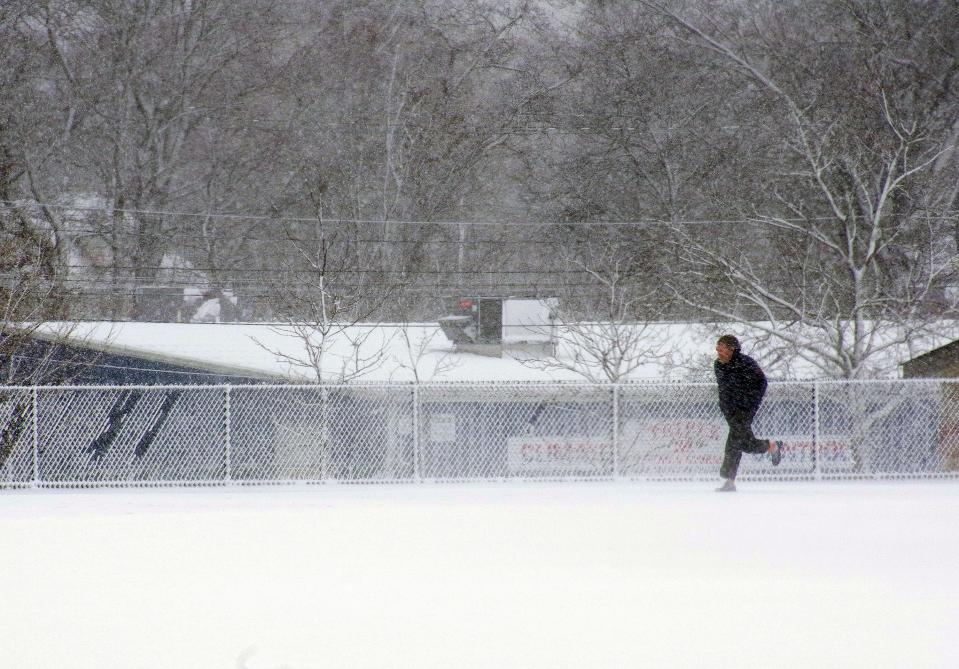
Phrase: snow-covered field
(482, 575)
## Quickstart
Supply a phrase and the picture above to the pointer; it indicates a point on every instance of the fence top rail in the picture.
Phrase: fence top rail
(373, 385)
(911, 381)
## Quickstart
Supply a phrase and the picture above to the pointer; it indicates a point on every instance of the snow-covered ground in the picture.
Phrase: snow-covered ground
(493, 575)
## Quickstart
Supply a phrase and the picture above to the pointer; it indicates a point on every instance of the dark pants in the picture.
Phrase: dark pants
(740, 440)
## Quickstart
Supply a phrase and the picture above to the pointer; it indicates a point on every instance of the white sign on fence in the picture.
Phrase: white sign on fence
(443, 428)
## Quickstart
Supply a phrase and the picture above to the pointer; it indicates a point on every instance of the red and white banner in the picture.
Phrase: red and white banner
(558, 455)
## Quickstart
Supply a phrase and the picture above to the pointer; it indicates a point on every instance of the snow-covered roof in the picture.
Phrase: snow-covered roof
(268, 351)
(676, 352)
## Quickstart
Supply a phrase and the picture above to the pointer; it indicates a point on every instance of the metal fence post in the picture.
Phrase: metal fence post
(226, 434)
(615, 430)
(816, 441)
(416, 431)
(36, 438)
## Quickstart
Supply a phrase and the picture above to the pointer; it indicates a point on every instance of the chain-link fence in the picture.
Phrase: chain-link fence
(209, 435)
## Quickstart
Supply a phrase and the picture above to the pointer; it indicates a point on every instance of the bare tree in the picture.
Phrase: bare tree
(417, 343)
(30, 298)
(37, 124)
(407, 112)
(157, 82)
(323, 300)
(602, 323)
(859, 255)
(644, 129)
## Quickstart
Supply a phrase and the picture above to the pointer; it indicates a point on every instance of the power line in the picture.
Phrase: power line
(360, 221)
(300, 325)
(230, 275)
(336, 279)
(301, 292)
(178, 234)
(412, 275)
(543, 281)
(305, 219)
(450, 291)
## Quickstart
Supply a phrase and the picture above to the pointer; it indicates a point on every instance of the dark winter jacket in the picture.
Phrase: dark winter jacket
(742, 385)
